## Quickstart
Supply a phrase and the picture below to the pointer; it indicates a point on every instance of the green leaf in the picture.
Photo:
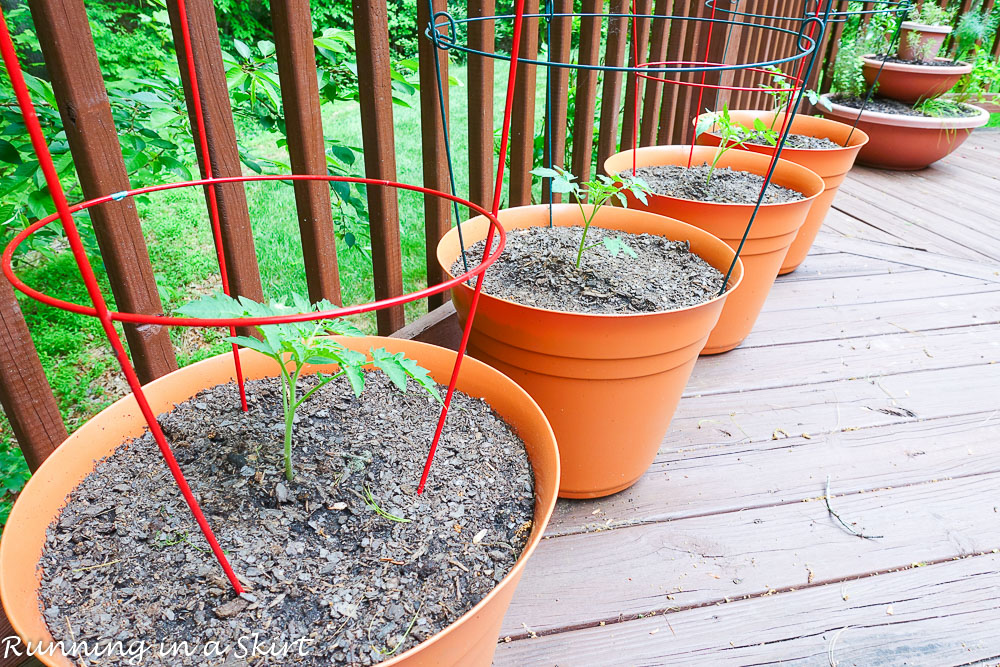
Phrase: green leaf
(616, 245)
(242, 49)
(356, 376)
(8, 152)
(254, 344)
(389, 364)
(266, 47)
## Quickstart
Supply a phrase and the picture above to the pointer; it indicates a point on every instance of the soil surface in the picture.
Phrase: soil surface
(538, 268)
(886, 105)
(727, 186)
(918, 61)
(801, 141)
(327, 575)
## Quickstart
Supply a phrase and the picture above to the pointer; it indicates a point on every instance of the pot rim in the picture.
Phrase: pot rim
(862, 136)
(925, 27)
(915, 122)
(738, 270)
(781, 161)
(62, 452)
(960, 67)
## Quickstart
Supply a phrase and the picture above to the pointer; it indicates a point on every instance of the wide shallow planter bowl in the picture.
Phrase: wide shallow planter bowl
(470, 640)
(830, 164)
(912, 83)
(905, 143)
(772, 233)
(913, 34)
(609, 384)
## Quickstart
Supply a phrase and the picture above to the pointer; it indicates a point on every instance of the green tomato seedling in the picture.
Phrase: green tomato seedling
(598, 192)
(298, 344)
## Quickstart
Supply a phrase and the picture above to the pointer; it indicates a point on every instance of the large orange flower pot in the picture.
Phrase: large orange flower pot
(772, 232)
(912, 83)
(609, 384)
(831, 164)
(470, 640)
(905, 143)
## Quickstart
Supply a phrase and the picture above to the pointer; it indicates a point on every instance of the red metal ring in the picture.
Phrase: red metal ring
(165, 320)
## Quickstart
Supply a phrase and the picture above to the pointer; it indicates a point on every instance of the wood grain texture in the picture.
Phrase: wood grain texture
(522, 128)
(558, 91)
(437, 211)
(586, 89)
(296, 54)
(943, 613)
(611, 87)
(371, 29)
(751, 550)
(636, 49)
(220, 132)
(480, 107)
(653, 93)
(71, 63)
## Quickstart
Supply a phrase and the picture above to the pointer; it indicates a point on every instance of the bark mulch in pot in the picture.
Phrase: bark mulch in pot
(538, 268)
(727, 186)
(326, 571)
(918, 61)
(799, 141)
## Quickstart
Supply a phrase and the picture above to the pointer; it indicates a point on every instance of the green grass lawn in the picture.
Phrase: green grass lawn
(73, 351)
(994, 120)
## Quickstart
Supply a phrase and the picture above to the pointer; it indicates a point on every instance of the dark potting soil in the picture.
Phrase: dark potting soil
(799, 141)
(918, 61)
(728, 186)
(327, 574)
(538, 268)
(886, 105)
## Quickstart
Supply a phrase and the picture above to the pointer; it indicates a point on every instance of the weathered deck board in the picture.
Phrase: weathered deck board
(875, 364)
(944, 613)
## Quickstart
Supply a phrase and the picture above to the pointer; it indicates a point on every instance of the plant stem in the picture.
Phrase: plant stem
(586, 228)
(288, 404)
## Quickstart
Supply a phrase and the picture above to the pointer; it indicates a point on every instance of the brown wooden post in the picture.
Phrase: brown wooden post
(437, 211)
(24, 390)
(480, 108)
(607, 136)
(522, 128)
(638, 44)
(371, 30)
(586, 89)
(654, 89)
(64, 35)
(234, 218)
(293, 43)
(555, 126)
(676, 51)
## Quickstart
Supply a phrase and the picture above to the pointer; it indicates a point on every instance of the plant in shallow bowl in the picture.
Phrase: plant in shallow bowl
(343, 563)
(604, 339)
(716, 189)
(922, 37)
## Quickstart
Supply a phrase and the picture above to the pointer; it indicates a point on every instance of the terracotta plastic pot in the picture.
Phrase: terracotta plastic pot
(772, 233)
(470, 640)
(912, 83)
(609, 384)
(914, 37)
(905, 143)
(830, 164)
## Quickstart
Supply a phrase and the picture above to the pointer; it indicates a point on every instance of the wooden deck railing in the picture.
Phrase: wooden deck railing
(71, 60)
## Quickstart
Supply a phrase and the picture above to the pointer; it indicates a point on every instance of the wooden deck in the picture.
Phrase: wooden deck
(874, 365)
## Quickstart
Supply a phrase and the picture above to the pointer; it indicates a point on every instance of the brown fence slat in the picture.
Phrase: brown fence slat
(293, 43)
(611, 90)
(586, 89)
(637, 44)
(679, 29)
(555, 125)
(371, 30)
(480, 108)
(653, 96)
(522, 128)
(24, 391)
(234, 218)
(437, 211)
(71, 61)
